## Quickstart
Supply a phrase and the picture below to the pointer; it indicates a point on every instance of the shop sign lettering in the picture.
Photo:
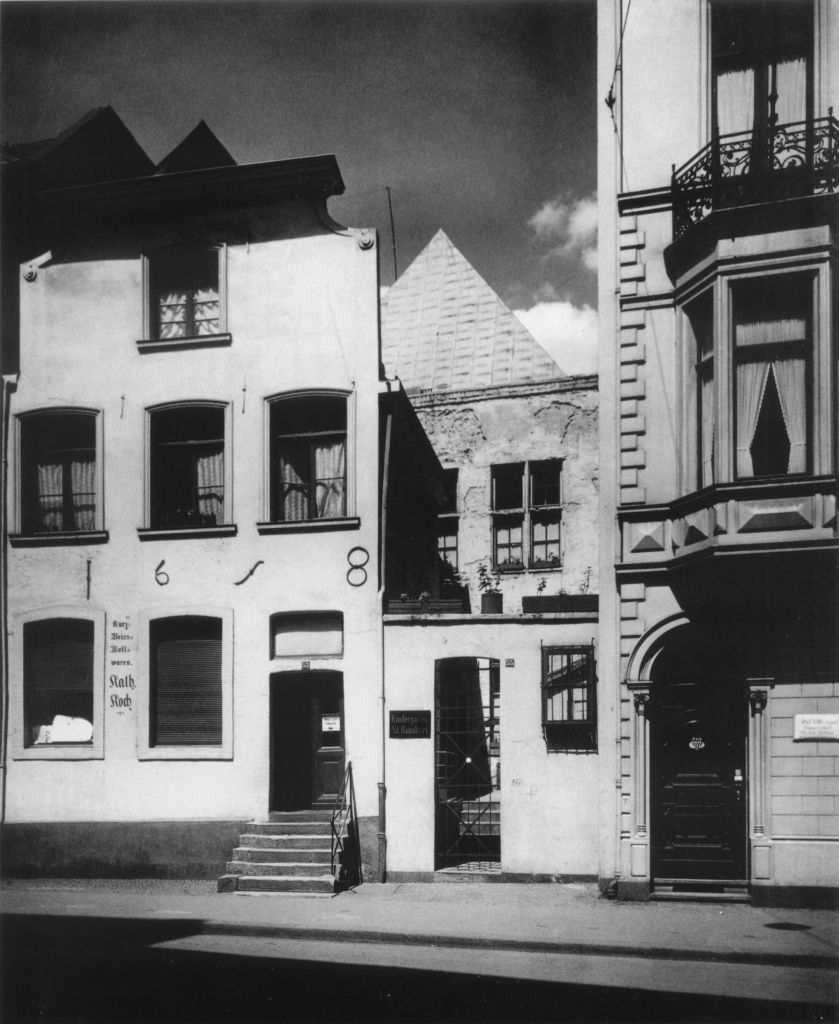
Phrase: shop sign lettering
(410, 725)
(816, 727)
(121, 657)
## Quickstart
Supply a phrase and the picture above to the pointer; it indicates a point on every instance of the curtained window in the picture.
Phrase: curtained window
(526, 514)
(186, 684)
(187, 467)
(771, 343)
(762, 75)
(699, 314)
(58, 681)
(58, 464)
(185, 293)
(308, 458)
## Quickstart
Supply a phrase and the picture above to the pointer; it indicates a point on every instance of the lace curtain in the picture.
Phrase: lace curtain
(210, 486)
(736, 100)
(330, 473)
(51, 495)
(789, 374)
(190, 312)
(791, 84)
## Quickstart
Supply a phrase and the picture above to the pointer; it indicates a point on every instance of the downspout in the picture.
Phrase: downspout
(9, 383)
(381, 641)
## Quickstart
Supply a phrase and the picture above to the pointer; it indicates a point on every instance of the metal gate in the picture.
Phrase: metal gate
(468, 765)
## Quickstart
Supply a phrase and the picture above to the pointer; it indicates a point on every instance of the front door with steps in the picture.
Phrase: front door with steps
(307, 739)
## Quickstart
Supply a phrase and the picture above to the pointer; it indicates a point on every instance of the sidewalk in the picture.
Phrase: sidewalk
(517, 917)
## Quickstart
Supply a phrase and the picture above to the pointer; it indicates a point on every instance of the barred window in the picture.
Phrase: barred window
(569, 705)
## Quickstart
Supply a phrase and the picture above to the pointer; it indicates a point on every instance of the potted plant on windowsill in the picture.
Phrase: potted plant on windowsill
(489, 584)
(562, 602)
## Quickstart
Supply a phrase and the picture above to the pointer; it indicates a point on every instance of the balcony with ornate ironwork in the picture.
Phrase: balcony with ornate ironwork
(766, 165)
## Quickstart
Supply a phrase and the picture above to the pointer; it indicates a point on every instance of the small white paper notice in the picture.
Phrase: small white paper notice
(816, 727)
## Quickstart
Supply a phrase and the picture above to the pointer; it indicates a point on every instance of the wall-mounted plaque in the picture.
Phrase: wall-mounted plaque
(816, 727)
(410, 725)
(330, 723)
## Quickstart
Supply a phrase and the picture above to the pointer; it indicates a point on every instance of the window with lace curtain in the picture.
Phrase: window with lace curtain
(187, 473)
(185, 294)
(771, 353)
(59, 485)
(308, 458)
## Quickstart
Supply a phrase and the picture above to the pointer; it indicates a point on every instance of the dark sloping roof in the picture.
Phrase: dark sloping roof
(198, 150)
(98, 147)
(444, 328)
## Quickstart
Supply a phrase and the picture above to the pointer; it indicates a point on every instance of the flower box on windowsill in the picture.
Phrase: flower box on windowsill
(560, 603)
(433, 606)
(492, 603)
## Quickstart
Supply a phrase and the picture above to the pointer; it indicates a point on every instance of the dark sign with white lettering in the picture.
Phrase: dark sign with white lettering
(410, 725)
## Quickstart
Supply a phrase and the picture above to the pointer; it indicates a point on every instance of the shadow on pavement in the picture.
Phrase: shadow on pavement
(89, 969)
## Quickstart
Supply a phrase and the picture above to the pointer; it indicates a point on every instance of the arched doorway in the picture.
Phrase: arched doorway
(698, 725)
(468, 764)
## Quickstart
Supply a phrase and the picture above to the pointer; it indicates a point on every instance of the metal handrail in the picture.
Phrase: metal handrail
(346, 845)
(760, 165)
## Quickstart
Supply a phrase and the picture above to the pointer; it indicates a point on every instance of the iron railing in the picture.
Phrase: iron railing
(346, 846)
(757, 166)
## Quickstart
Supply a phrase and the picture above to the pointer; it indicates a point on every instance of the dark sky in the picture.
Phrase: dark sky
(478, 115)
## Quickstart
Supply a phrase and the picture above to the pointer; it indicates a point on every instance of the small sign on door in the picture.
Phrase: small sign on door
(330, 723)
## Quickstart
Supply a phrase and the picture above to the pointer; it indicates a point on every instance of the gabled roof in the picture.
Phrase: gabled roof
(96, 148)
(445, 329)
(199, 149)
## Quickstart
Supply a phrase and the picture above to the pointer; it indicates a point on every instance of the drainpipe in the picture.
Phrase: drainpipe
(9, 384)
(381, 642)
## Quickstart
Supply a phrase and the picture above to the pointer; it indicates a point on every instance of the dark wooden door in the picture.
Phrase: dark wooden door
(307, 739)
(698, 792)
(327, 744)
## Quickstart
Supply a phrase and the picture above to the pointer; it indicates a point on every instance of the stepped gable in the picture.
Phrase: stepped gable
(199, 150)
(445, 329)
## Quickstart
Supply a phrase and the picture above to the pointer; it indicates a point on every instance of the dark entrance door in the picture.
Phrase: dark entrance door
(307, 739)
(698, 792)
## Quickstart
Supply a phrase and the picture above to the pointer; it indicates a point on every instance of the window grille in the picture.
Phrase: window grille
(569, 706)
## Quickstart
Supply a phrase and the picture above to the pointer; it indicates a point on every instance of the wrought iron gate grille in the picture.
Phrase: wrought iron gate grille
(468, 765)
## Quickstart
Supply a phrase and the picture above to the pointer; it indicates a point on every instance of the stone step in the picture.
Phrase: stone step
(311, 815)
(288, 842)
(285, 883)
(308, 868)
(280, 854)
(258, 854)
(288, 828)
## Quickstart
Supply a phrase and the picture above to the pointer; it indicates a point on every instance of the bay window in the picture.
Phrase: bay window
(771, 342)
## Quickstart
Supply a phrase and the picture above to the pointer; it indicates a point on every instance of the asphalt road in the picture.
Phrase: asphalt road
(108, 969)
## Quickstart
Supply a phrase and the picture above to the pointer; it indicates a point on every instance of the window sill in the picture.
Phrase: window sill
(37, 540)
(183, 753)
(187, 532)
(310, 525)
(61, 752)
(175, 344)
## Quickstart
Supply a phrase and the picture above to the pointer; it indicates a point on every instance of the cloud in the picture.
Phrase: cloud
(571, 226)
(567, 332)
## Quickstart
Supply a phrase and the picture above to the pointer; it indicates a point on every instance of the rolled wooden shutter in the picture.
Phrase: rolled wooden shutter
(186, 681)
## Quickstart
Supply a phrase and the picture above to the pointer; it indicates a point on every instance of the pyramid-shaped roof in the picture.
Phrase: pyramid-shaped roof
(198, 150)
(445, 329)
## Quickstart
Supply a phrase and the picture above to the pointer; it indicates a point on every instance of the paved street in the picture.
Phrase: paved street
(152, 951)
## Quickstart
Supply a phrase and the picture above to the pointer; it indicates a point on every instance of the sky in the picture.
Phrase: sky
(479, 117)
